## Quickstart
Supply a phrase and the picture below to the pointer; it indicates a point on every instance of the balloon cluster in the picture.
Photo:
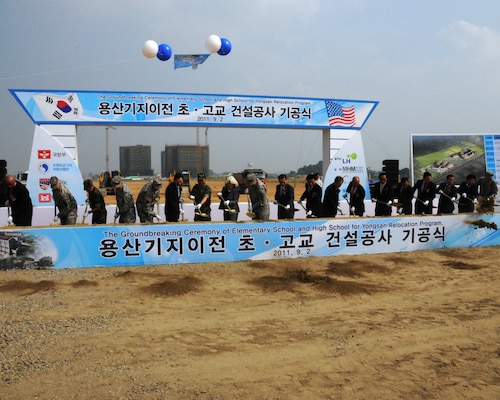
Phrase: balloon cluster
(215, 44)
(163, 51)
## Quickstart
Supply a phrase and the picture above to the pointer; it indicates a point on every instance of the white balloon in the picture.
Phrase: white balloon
(213, 43)
(150, 48)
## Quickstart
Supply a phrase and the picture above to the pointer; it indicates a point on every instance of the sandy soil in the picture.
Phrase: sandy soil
(422, 325)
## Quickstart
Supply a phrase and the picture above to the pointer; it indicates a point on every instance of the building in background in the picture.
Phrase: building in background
(135, 160)
(192, 158)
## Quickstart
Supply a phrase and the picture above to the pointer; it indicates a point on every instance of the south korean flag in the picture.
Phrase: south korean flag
(59, 108)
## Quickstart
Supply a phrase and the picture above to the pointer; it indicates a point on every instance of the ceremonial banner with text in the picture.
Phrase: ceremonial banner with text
(141, 108)
(136, 245)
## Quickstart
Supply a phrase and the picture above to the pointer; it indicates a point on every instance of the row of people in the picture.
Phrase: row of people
(466, 196)
(469, 195)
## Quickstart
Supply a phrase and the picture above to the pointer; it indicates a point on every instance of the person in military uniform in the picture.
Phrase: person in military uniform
(200, 194)
(147, 200)
(95, 202)
(125, 207)
(64, 201)
(257, 192)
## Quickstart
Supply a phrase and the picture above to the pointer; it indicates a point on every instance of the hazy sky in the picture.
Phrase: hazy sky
(433, 66)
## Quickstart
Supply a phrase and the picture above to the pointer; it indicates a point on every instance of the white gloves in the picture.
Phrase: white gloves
(181, 200)
(10, 221)
(453, 199)
(475, 201)
(287, 206)
(191, 197)
(85, 214)
(309, 213)
(464, 195)
(181, 211)
(219, 194)
(374, 200)
(197, 206)
(56, 218)
(353, 209)
(226, 203)
(275, 202)
(426, 202)
(157, 217)
(389, 202)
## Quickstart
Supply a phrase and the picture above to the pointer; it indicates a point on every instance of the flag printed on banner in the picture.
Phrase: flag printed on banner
(340, 116)
(59, 108)
(189, 60)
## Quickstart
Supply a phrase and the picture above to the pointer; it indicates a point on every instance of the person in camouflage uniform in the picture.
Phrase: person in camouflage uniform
(146, 201)
(96, 203)
(64, 201)
(201, 194)
(258, 196)
(125, 207)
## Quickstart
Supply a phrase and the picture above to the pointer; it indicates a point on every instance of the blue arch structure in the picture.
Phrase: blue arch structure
(56, 115)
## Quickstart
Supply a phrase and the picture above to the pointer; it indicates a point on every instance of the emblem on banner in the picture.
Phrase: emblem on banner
(44, 183)
(43, 168)
(44, 197)
(44, 154)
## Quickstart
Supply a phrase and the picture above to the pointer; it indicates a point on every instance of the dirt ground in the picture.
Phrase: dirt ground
(421, 325)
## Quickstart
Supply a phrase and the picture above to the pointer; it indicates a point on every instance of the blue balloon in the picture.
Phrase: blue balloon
(225, 47)
(164, 52)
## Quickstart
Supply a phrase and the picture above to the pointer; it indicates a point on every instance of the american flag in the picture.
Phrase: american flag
(340, 116)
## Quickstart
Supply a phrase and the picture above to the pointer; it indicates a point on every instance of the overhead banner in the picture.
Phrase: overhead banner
(137, 245)
(142, 108)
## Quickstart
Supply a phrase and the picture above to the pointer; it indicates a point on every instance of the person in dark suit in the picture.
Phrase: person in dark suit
(404, 195)
(284, 198)
(426, 192)
(448, 192)
(312, 195)
(382, 195)
(19, 200)
(468, 194)
(356, 194)
(173, 199)
(331, 199)
(229, 197)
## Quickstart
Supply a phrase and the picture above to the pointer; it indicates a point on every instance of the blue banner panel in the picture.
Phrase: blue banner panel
(138, 108)
(137, 245)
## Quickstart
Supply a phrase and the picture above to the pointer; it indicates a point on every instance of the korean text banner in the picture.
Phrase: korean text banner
(137, 245)
(138, 108)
